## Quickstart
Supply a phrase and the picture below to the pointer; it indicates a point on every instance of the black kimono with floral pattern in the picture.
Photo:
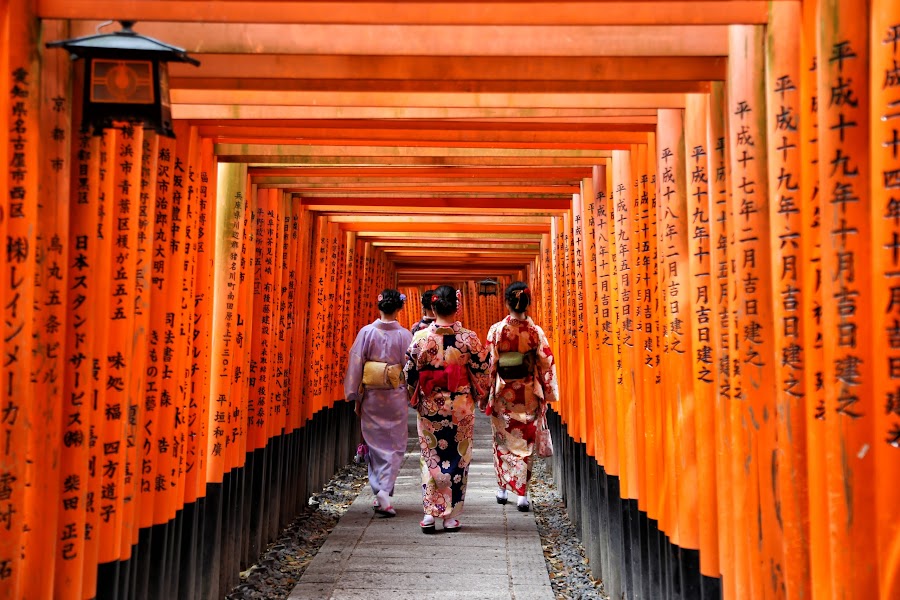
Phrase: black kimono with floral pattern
(448, 371)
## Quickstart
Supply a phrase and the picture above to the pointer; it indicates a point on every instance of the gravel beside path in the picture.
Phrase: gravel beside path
(570, 573)
(283, 562)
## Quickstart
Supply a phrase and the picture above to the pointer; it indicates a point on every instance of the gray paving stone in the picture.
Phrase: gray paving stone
(496, 555)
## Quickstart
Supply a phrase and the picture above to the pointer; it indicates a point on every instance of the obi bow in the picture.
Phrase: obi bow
(447, 378)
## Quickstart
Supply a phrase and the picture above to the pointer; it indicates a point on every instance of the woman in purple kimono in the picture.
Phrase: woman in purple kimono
(382, 411)
(447, 371)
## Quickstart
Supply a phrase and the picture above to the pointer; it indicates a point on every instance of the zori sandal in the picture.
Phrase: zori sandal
(451, 525)
(387, 511)
(427, 524)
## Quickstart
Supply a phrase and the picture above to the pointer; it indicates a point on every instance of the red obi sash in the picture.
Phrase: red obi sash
(448, 378)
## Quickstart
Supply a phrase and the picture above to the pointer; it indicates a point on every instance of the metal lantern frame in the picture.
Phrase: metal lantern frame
(126, 79)
(487, 287)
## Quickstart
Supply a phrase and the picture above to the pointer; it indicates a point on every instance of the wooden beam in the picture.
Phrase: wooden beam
(419, 129)
(432, 188)
(505, 248)
(429, 99)
(384, 208)
(221, 112)
(502, 237)
(413, 13)
(280, 85)
(464, 154)
(337, 68)
(516, 173)
(434, 40)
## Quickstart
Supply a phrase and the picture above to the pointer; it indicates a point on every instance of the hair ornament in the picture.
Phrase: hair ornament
(380, 297)
(458, 295)
(527, 291)
(402, 297)
(434, 298)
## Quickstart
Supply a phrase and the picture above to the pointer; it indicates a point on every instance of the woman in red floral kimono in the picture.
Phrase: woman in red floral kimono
(524, 381)
(447, 372)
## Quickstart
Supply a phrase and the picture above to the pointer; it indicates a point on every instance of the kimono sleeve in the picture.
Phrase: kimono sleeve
(411, 369)
(357, 360)
(491, 347)
(479, 368)
(546, 368)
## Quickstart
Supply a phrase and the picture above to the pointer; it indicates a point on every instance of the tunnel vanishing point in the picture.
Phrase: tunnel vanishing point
(703, 196)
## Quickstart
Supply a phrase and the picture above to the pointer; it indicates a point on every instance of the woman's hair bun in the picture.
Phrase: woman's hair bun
(390, 301)
(444, 301)
(518, 296)
(426, 299)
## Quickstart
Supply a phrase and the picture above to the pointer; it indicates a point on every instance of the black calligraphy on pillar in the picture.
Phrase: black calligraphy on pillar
(700, 264)
(76, 402)
(720, 252)
(748, 244)
(890, 242)
(787, 224)
(842, 196)
(579, 280)
(603, 267)
(670, 234)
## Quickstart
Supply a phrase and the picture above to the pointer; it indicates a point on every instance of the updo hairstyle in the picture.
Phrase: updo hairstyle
(518, 296)
(390, 301)
(444, 302)
(426, 299)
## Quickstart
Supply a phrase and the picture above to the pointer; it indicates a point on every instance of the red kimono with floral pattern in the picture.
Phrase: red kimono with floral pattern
(516, 404)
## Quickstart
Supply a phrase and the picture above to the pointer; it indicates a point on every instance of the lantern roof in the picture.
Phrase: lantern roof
(112, 45)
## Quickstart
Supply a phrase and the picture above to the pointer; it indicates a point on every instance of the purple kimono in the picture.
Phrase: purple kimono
(382, 412)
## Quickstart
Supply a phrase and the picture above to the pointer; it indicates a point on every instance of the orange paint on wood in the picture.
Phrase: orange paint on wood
(677, 359)
(622, 271)
(202, 192)
(885, 219)
(43, 493)
(82, 283)
(581, 353)
(756, 347)
(641, 305)
(262, 356)
(603, 230)
(702, 295)
(811, 307)
(103, 263)
(650, 359)
(231, 207)
(19, 207)
(717, 178)
(847, 303)
(591, 307)
(143, 248)
(783, 98)
(124, 169)
(186, 182)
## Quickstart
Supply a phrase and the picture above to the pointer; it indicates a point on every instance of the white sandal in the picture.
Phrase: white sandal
(451, 525)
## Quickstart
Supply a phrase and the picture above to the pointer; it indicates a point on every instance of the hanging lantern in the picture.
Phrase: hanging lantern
(487, 287)
(126, 79)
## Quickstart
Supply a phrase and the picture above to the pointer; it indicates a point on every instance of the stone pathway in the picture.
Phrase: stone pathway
(496, 555)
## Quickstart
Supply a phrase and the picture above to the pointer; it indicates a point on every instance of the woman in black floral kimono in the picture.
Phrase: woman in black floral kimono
(448, 371)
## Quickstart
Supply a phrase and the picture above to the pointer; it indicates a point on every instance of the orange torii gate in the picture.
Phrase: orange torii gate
(703, 196)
